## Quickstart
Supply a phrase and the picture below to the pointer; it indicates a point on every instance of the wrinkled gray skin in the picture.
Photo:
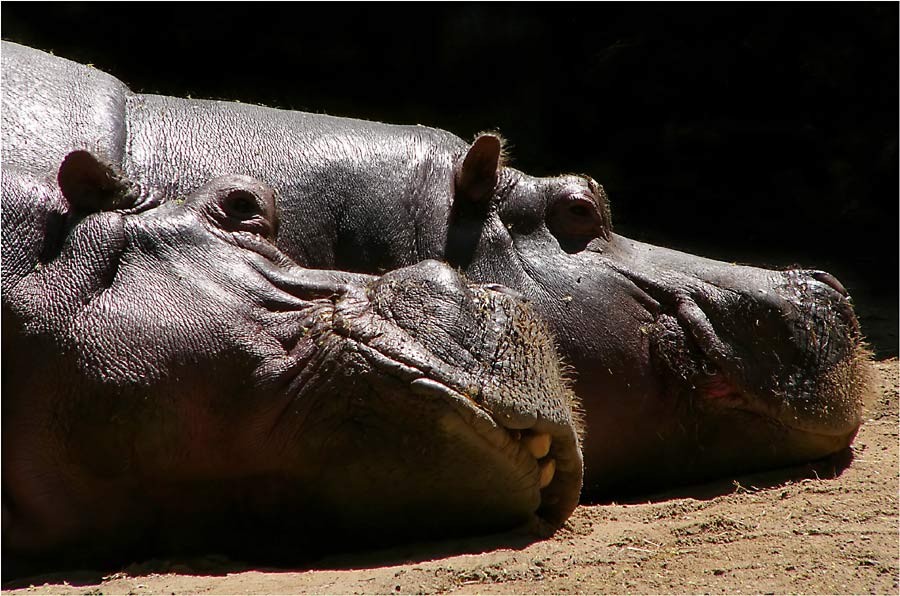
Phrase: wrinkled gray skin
(687, 368)
(172, 381)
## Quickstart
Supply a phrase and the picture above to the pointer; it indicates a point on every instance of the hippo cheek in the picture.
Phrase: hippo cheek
(602, 326)
(600, 320)
(631, 419)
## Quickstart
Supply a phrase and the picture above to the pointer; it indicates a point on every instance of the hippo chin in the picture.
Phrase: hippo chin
(687, 368)
(173, 381)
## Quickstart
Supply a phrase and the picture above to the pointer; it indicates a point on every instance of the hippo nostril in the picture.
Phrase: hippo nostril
(829, 280)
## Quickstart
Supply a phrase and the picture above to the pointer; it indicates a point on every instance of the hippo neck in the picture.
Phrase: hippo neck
(340, 179)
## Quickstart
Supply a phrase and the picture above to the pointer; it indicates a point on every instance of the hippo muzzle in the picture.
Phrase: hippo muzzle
(743, 368)
(470, 378)
(780, 344)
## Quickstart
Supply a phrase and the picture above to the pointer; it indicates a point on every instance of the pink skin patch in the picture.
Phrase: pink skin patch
(718, 387)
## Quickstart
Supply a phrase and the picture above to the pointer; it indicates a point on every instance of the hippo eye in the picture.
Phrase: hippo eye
(574, 215)
(579, 210)
(576, 218)
(241, 204)
(247, 211)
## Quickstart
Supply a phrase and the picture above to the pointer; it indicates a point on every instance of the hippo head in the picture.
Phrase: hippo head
(171, 378)
(687, 368)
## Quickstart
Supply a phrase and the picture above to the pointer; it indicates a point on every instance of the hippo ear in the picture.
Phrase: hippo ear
(476, 179)
(91, 185)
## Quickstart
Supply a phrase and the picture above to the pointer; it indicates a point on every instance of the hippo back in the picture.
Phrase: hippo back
(52, 105)
(343, 181)
(357, 195)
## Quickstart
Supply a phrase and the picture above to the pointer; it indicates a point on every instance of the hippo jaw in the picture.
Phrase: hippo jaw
(495, 408)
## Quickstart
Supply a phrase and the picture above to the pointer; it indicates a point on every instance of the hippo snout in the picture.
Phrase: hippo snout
(480, 350)
(825, 354)
(432, 286)
(783, 345)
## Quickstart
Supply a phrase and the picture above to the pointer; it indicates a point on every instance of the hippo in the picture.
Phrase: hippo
(687, 368)
(172, 381)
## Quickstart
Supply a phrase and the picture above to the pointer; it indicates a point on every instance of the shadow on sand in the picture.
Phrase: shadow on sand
(823, 469)
(18, 575)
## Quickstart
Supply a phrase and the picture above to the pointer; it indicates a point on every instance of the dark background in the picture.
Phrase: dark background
(763, 133)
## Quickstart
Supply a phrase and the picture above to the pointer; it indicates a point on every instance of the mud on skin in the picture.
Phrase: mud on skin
(173, 382)
(687, 368)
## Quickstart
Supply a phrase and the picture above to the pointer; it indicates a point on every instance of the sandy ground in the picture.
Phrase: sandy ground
(827, 528)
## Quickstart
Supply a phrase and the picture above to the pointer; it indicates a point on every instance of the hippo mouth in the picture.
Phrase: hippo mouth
(807, 377)
(544, 450)
(547, 455)
(720, 387)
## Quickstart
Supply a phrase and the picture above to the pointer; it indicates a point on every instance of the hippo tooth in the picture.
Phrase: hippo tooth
(538, 444)
(548, 468)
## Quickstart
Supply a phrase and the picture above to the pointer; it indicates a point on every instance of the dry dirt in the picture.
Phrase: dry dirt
(827, 528)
